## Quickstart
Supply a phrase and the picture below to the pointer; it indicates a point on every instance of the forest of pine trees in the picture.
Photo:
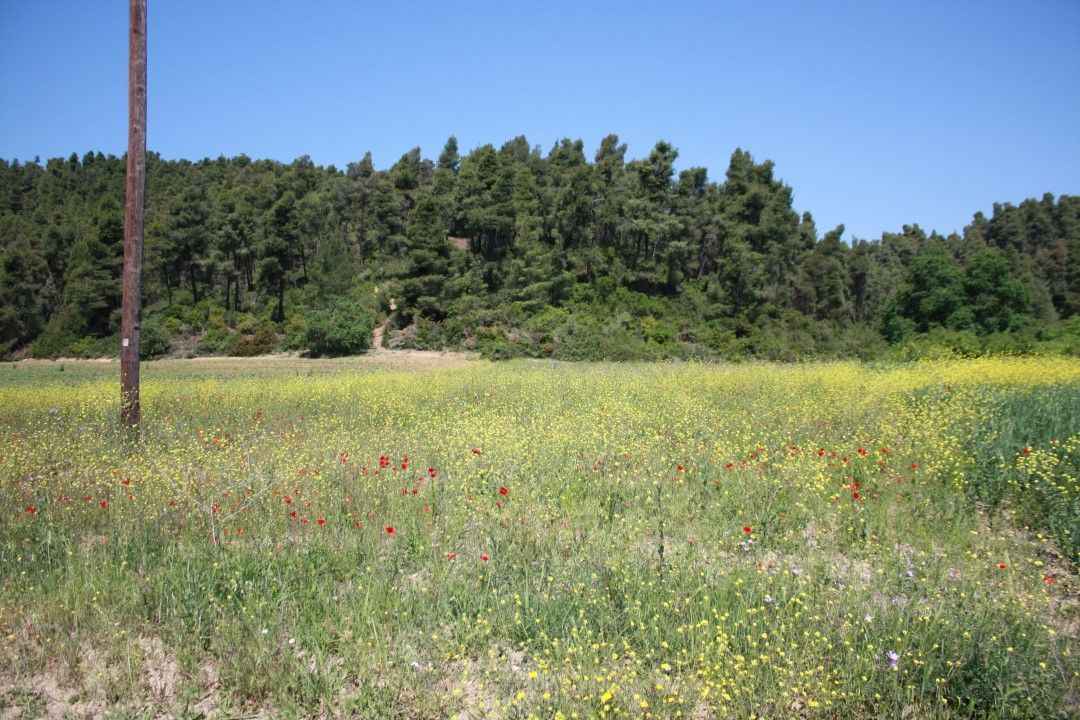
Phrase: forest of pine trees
(512, 252)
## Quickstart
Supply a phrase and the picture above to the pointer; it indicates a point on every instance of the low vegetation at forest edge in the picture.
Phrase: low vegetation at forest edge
(542, 540)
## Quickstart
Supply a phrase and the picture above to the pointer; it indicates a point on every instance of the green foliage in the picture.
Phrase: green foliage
(27, 295)
(343, 328)
(932, 295)
(649, 262)
(52, 343)
(263, 341)
(92, 279)
(154, 339)
(218, 340)
(994, 295)
(941, 343)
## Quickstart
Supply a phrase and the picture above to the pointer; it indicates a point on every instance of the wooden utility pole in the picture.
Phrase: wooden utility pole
(131, 305)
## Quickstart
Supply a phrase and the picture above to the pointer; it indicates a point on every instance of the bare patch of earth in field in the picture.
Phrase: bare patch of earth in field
(380, 358)
(377, 359)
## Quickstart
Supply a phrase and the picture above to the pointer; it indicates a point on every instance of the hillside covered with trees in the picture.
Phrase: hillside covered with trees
(513, 252)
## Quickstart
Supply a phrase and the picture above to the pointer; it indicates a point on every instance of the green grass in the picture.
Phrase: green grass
(673, 541)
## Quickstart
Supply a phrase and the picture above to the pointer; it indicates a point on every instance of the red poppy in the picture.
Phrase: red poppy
(484, 557)
(1049, 580)
(1027, 451)
(503, 491)
(451, 556)
(31, 510)
(477, 451)
(344, 457)
(320, 521)
(104, 503)
(389, 529)
(288, 500)
(1002, 566)
(384, 461)
(292, 514)
(914, 466)
(747, 529)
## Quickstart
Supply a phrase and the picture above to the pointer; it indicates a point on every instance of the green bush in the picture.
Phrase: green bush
(153, 339)
(51, 345)
(293, 329)
(264, 340)
(498, 347)
(430, 335)
(197, 316)
(942, 343)
(217, 340)
(246, 323)
(660, 332)
(94, 347)
(344, 328)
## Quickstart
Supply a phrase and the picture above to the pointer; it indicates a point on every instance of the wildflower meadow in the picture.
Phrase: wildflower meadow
(291, 538)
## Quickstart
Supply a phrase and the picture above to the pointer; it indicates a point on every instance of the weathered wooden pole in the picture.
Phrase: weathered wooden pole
(131, 305)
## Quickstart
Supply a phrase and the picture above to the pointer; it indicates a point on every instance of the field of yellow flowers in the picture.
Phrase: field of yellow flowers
(534, 540)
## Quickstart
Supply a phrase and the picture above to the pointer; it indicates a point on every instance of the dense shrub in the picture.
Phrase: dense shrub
(343, 328)
(153, 339)
(264, 341)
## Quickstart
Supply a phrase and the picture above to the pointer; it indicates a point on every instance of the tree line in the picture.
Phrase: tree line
(514, 252)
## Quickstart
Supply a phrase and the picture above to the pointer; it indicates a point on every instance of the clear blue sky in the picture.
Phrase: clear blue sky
(877, 114)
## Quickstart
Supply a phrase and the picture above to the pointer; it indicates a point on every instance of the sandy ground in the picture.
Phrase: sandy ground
(285, 362)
